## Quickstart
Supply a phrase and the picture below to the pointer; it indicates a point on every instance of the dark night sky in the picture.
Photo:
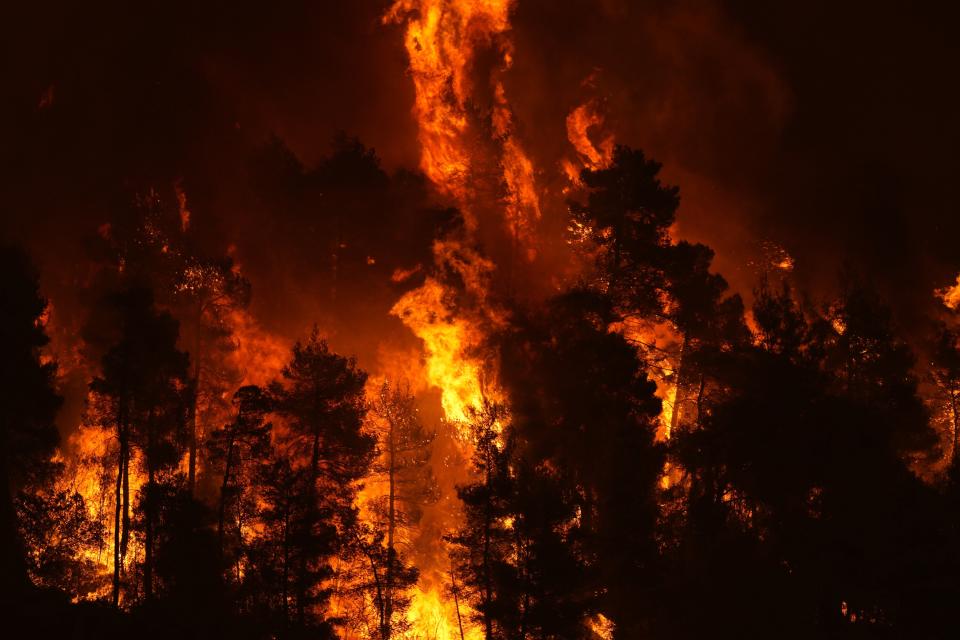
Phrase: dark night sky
(827, 127)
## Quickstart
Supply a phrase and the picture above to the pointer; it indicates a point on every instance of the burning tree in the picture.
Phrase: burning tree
(141, 399)
(403, 466)
(235, 449)
(321, 398)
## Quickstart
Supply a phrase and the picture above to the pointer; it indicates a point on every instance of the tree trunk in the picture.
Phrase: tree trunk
(487, 526)
(194, 422)
(956, 421)
(381, 606)
(121, 517)
(456, 600)
(286, 569)
(524, 576)
(391, 526)
(223, 495)
(150, 508)
(703, 383)
(678, 394)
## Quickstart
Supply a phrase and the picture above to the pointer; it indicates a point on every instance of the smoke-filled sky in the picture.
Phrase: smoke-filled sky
(828, 128)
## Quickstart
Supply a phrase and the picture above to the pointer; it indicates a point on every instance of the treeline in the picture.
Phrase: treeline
(787, 501)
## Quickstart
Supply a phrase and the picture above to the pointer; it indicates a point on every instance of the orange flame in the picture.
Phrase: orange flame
(580, 121)
(443, 39)
(950, 296)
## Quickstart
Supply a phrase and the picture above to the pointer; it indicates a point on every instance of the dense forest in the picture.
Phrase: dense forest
(797, 494)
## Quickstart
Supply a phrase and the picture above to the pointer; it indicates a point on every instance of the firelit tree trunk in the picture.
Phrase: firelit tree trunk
(284, 588)
(679, 385)
(148, 536)
(224, 486)
(387, 623)
(956, 421)
(381, 608)
(487, 534)
(456, 599)
(194, 418)
(121, 517)
(150, 508)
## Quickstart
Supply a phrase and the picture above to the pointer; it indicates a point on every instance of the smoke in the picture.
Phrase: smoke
(776, 122)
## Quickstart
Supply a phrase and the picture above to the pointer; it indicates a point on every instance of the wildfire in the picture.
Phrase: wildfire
(443, 40)
(259, 355)
(448, 341)
(950, 295)
(580, 122)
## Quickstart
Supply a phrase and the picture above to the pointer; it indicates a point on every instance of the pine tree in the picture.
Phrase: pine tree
(28, 407)
(321, 396)
(403, 466)
(141, 386)
(234, 449)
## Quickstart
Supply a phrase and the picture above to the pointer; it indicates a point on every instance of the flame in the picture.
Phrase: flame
(448, 343)
(91, 473)
(601, 627)
(258, 355)
(436, 617)
(443, 40)
(580, 121)
(950, 296)
(182, 206)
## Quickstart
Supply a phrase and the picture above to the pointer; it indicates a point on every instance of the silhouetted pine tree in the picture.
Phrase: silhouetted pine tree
(234, 451)
(321, 397)
(28, 405)
(142, 386)
(586, 414)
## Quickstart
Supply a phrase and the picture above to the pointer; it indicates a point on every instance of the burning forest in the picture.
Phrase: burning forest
(479, 320)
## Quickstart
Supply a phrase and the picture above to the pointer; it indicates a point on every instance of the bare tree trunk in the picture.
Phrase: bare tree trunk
(956, 421)
(286, 569)
(192, 452)
(522, 565)
(456, 600)
(121, 517)
(680, 381)
(149, 508)
(487, 526)
(223, 495)
(391, 526)
(125, 530)
(700, 398)
(381, 605)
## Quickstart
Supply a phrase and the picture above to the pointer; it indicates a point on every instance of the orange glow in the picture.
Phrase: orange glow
(443, 39)
(259, 356)
(448, 342)
(950, 295)
(580, 122)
